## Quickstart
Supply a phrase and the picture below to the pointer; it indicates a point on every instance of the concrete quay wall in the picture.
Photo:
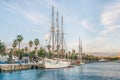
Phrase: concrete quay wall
(12, 67)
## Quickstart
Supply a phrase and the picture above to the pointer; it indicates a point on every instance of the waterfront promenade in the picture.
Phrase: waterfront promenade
(22, 66)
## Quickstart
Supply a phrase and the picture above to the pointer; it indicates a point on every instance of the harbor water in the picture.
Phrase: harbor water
(91, 71)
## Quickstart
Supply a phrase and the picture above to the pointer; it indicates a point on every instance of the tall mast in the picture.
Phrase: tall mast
(79, 48)
(58, 34)
(52, 30)
(62, 35)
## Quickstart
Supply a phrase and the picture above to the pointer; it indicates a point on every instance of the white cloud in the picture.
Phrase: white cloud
(35, 17)
(110, 18)
(87, 25)
(101, 44)
(114, 30)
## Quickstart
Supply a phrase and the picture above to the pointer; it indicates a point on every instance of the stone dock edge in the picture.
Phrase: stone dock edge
(14, 67)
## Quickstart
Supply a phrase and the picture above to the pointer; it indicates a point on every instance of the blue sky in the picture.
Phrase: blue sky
(95, 21)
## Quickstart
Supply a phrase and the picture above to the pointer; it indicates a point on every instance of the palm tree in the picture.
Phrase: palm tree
(19, 39)
(26, 49)
(48, 47)
(30, 43)
(10, 56)
(73, 54)
(62, 51)
(15, 43)
(41, 52)
(58, 52)
(36, 42)
(2, 48)
(14, 46)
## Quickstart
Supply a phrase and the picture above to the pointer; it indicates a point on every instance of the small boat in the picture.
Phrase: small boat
(103, 60)
(15, 58)
(82, 63)
(78, 63)
(4, 59)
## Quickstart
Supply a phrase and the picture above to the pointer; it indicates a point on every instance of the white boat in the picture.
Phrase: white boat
(82, 63)
(55, 64)
(56, 42)
(4, 58)
(15, 58)
(103, 60)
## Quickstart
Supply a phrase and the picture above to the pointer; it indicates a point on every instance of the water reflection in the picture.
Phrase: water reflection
(94, 71)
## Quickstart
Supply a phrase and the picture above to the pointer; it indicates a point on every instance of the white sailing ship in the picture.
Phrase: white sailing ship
(80, 53)
(57, 42)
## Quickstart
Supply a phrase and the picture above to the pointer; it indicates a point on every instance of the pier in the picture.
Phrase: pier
(14, 67)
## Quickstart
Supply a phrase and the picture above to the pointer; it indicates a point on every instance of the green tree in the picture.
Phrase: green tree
(49, 47)
(57, 50)
(14, 45)
(73, 55)
(41, 52)
(2, 48)
(32, 54)
(20, 54)
(50, 55)
(30, 44)
(10, 56)
(19, 39)
(26, 49)
(36, 42)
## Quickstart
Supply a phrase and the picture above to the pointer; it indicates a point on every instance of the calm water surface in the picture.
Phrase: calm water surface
(93, 71)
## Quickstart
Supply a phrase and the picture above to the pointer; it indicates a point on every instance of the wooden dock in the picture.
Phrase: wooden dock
(14, 67)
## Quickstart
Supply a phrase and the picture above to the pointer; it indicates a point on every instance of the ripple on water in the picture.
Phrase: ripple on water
(93, 71)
